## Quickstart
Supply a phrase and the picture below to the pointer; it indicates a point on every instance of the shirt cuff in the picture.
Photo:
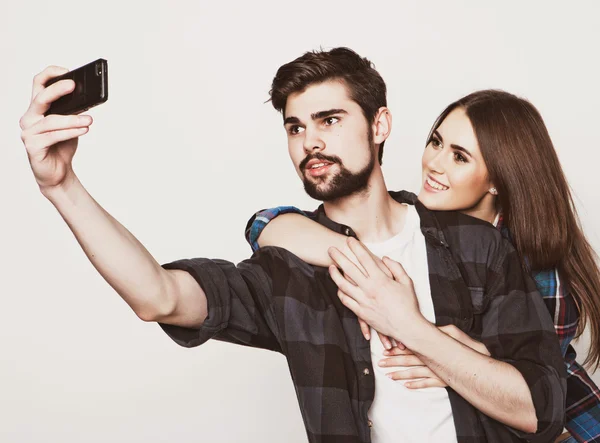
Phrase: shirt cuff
(258, 221)
(548, 394)
(211, 279)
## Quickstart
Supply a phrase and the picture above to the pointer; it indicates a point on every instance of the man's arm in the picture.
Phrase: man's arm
(154, 293)
(51, 142)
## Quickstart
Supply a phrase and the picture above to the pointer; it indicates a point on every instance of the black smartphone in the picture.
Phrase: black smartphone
(91, 89)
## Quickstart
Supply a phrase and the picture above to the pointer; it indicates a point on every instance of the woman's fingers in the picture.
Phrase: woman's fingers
(397, 350)
(365, 329)
(385, 341)
(425, 383)
(364, 256)
(413, 373)
(401, 360)
(398, 271)
(342, 283)
(346, 265)
(349, 302)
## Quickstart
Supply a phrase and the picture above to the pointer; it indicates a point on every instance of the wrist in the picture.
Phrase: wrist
(418, 335)
(65, 191)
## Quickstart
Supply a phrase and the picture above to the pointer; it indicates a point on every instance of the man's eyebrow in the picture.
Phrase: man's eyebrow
(453, 146)
(315, 116)
(289, 120)
(324, 114)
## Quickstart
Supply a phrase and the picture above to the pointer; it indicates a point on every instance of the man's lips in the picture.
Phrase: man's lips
(316, 162)
(318, 168)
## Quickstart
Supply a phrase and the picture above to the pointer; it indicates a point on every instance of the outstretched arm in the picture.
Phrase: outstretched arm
(51, 142)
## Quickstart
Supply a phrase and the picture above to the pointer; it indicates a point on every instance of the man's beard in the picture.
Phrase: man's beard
(343, 184)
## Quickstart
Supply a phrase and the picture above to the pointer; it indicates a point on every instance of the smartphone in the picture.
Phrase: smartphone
(91, 89)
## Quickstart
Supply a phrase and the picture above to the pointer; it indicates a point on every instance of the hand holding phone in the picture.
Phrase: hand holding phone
(91, 89)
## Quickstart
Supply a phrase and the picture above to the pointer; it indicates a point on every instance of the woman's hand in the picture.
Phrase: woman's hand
(425, 377)
(428, 379)
(389, 305)
(386, 341)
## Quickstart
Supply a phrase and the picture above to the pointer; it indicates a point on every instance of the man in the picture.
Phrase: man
(337, 121)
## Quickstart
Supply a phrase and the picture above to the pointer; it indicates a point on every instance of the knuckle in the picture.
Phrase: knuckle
(38, 98)
(37, 79)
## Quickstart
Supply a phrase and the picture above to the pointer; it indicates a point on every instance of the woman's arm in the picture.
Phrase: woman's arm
(303, 237)
(288, 227)
(522, 386)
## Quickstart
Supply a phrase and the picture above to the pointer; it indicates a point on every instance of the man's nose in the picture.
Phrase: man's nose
(313, 141)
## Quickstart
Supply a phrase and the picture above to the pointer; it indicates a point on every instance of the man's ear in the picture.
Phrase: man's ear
(382, 125)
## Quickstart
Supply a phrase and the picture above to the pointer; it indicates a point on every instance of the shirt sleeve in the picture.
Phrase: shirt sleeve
(517, 329)
(259, 221)
(239, 300)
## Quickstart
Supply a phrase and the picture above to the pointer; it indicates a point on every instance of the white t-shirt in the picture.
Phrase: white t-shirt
(399, 414)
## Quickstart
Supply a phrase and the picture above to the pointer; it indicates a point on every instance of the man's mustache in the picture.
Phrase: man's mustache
(319, 156)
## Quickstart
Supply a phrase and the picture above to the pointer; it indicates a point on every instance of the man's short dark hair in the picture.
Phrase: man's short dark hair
(365, 85)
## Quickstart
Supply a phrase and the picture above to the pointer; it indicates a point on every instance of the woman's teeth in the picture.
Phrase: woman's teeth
(436, 185)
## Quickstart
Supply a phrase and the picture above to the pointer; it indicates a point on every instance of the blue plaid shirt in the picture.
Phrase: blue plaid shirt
(583, 395)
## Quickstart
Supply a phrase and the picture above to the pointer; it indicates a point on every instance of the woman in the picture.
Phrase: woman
(495, 137)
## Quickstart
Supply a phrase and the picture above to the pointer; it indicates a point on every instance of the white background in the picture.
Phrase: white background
(185, 150)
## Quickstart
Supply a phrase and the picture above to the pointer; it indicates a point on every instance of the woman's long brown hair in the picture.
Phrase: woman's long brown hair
(535, 198)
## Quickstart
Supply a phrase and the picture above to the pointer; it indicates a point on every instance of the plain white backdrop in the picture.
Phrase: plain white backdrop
(186, 149)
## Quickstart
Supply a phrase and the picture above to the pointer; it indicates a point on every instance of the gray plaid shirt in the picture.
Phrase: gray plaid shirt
(276, 301)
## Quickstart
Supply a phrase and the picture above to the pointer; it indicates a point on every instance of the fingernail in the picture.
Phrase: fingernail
(368, 336)
(388, 346)
(407, 384)
(381, 362)
(389, 375)
(386, 352)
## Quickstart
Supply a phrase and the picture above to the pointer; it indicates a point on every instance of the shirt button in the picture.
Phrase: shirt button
(370, 423)
(366, 371)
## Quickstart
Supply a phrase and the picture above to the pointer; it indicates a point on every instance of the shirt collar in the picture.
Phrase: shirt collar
(429, 223)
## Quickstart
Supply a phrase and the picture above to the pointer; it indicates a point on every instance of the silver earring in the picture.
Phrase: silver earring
(493, 191)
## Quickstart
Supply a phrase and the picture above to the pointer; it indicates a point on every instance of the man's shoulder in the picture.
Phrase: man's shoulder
(278, 261)
(473, 239)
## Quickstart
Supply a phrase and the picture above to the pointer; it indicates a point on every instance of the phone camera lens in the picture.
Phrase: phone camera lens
(98, 69)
